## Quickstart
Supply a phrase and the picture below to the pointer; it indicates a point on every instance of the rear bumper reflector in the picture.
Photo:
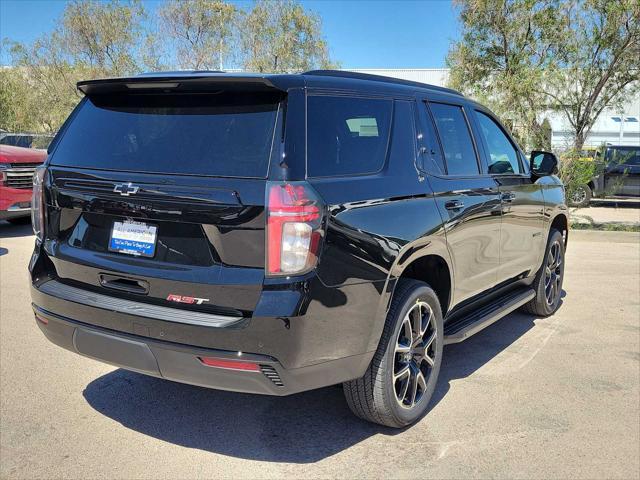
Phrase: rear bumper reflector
(230, 364)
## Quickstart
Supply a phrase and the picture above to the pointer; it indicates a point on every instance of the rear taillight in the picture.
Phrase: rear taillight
(37, 203)
(294, 221)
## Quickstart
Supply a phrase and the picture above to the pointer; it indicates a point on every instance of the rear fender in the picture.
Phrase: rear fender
(424, 246)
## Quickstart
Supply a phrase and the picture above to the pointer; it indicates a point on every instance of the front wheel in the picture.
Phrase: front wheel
(396, 388)
(548, 281)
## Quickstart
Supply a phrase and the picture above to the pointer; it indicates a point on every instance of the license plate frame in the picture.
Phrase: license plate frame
(137, 239)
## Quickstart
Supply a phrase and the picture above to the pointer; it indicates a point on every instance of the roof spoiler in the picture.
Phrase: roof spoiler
(184, 82)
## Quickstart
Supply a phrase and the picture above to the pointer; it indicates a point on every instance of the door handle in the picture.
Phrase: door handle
(454, 205)
(124, 284)
(508, 197)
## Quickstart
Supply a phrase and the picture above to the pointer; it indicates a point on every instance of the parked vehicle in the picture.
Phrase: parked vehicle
(619, 175)
(279, 233)
(26, 140)
(16, 173)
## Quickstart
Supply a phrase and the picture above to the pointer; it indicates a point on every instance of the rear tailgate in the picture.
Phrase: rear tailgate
(187, 168)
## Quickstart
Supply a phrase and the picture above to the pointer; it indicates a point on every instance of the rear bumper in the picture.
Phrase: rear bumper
(72, 326)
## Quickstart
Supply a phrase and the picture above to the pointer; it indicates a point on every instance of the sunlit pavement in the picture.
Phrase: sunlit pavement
(600, 212)
(527, 398)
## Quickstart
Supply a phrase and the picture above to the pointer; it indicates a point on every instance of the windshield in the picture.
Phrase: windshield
(196, 134)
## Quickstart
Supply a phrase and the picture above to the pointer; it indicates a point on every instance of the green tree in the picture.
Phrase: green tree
(102, 36)
(280, 36)
(528, 57)
(93, 39)
(500, 59)
(599, 61)
(14, 102)
(201, 32)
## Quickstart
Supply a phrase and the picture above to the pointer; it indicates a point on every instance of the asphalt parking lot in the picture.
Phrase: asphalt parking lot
(526, 398)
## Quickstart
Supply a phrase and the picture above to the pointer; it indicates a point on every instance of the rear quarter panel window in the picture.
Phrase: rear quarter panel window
(346, 135)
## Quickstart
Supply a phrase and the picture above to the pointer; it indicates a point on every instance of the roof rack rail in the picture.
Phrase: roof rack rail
(378, 78)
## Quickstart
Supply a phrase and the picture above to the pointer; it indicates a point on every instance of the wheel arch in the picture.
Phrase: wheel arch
(433, 270)
(561, 222)
(428, 260)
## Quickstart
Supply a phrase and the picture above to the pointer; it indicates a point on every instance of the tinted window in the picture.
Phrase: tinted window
(218, 135)
(346, 136)
(17, 140)
(459, 154)
(503, 157)
(431, 157)
(624, 155)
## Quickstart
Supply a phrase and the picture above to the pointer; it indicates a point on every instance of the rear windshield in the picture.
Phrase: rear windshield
(207, 134)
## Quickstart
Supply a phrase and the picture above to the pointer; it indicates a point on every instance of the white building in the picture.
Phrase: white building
(618, 127)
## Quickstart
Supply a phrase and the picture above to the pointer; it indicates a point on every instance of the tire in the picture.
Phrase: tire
(377, 397)
(547, 299)
(581, 197)
(19, 220)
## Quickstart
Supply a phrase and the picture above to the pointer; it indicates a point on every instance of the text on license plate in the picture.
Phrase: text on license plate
(134, 238)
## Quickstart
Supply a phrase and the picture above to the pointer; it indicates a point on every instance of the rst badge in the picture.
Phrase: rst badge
(187, 300)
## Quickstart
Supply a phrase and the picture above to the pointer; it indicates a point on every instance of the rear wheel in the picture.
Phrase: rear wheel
(548, 281)
(396, 388)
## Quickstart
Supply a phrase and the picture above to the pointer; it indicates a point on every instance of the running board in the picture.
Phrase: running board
(463, 328)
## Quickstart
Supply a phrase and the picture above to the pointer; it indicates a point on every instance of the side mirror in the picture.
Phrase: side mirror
(543, 163)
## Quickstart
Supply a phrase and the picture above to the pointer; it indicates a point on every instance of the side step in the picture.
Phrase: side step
(464, 327)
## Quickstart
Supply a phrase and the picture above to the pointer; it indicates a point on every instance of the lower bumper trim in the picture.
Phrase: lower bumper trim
(182, 363)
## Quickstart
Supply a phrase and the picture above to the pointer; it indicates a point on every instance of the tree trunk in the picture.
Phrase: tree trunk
(581, 133)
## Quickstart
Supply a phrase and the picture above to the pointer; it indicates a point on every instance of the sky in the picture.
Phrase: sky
(360, 33)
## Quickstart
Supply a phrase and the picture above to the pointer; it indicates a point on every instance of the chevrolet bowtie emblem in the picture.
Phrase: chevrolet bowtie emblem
(126, 189)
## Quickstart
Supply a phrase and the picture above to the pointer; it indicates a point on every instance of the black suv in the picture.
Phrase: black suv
(617, 174)
(279, 233)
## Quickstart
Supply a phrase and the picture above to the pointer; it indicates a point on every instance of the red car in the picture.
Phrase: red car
(16, 173)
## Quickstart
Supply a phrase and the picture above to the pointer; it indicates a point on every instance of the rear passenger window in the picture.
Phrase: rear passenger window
(459, 154)
(346, 136)
(503, 156)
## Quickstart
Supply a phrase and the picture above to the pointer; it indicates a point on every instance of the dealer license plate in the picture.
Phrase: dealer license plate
(133, 238)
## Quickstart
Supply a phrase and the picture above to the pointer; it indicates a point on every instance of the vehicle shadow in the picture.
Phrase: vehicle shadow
(302, 428)
(8, 230)
(462, 359)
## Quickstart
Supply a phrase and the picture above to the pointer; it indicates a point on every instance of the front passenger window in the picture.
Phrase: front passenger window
(503, 157)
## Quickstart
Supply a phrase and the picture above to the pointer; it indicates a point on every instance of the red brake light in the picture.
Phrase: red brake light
(294, 219)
